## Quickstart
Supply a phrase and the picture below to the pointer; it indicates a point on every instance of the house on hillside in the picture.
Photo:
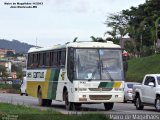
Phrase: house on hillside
(6, 63)
(4, 52)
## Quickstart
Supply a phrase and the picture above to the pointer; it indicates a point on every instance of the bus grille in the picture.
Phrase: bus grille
(100, 89)
(100, 97)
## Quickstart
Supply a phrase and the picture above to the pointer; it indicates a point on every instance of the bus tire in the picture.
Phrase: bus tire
(108, 106)
(68, 105)
(77, 106)
(41, 101)
(48, 102)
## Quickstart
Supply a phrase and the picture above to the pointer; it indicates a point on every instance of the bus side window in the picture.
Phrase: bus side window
(35, 59)
(41, 59)
(59, 58)
(70, 64)
(38, 60)
(29, 60)
(44, 59)
(32, 60)
(48, 59)
(55, 60)
(63, 58)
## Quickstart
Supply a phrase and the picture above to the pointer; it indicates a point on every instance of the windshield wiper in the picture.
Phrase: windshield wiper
(94, 72)
(106, 71)
(100, 66)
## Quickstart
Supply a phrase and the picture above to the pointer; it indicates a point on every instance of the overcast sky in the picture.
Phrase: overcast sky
(58, 21)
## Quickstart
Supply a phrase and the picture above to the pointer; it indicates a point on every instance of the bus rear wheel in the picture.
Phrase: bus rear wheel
(41, 101)
(48, 102)
(108, 106)
(68, 105)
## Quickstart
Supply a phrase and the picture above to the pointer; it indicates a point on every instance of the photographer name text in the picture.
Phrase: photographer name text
(23, 4)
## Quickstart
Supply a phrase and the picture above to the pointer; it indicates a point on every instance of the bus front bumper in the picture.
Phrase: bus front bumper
(98, 97)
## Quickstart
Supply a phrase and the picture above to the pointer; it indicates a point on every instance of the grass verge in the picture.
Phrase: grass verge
(139, 67)
(17, 112)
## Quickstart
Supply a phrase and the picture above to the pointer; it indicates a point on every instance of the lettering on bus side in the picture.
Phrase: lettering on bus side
(29, 75)
(38, 74)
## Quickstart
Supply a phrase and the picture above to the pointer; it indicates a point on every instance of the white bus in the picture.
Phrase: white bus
(77, 73)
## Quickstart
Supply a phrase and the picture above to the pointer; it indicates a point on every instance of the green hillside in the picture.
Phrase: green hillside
(137, 68)
(20, 47)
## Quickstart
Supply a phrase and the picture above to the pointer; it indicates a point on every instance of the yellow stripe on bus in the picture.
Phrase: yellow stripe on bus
(117, 84)
(47, 78)
(32, 87)
(48, 74)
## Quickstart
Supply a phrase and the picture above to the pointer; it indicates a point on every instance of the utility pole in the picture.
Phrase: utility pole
(36, 43)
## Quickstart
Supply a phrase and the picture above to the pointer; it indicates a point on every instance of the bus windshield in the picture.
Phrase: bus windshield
(98, 64)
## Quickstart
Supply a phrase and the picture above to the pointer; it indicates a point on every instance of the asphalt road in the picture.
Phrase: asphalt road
(119, 108)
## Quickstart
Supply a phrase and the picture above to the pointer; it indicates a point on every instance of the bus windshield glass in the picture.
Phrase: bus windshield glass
(98, 64)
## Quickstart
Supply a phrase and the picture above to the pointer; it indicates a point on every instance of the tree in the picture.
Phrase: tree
(113, 34)
(129, 46)
(117, 23)
(109, 39)
(147, 15)
(141, 31)
(157, 23)
(140, 23)
(98, 39)
(122, 31)
(18, 70)
(20, 75)
(133, 33)
(93, 39)
(3, 72)
(75, 39)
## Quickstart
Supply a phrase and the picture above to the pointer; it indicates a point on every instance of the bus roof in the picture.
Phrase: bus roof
(108, 44)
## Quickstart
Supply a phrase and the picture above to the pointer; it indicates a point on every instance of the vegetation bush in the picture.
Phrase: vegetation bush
(16, 86)
(5, 86)
(9, 88)
(147, 51)
(139, 67)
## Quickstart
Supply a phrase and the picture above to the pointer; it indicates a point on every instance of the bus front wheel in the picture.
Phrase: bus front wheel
(108, 106)
(68, 105)
(77, 106)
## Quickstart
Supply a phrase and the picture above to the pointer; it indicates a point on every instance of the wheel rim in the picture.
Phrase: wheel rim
(158, 104)
(137, 103)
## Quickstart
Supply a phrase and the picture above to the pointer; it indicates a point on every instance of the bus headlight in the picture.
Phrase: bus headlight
(82, 98)
(118, 96)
